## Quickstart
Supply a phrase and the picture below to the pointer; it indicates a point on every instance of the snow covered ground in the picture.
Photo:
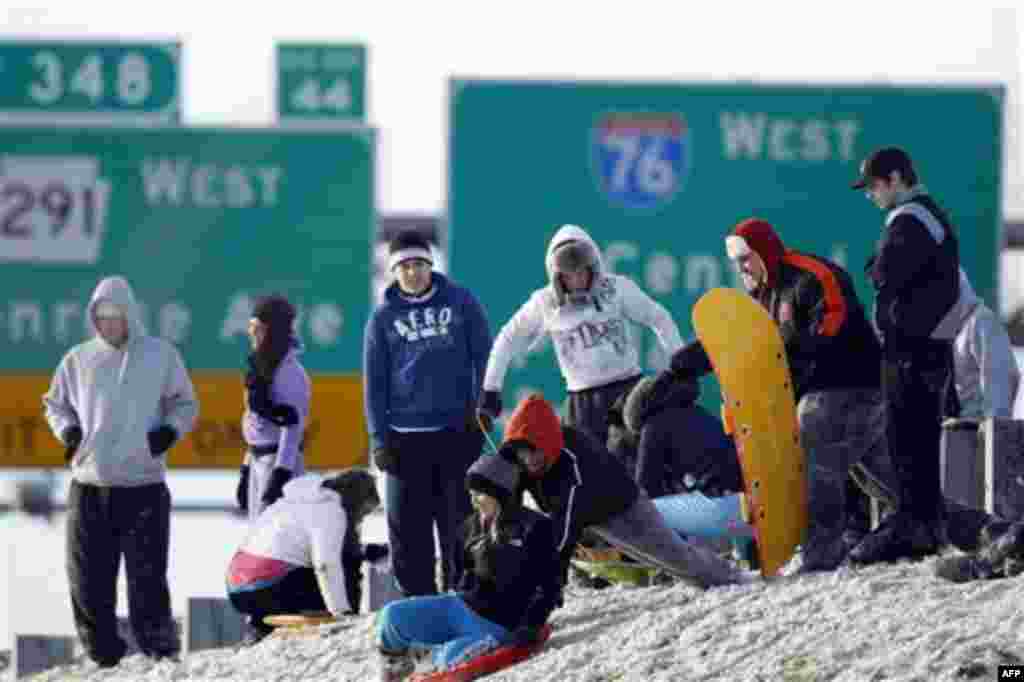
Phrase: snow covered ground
(879, 623)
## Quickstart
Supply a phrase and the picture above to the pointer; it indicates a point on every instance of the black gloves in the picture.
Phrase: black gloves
(284, 415)
(72, 437)
(488, 408)
(161, 439)
(386, 459)
(373, 551)
(242, 491)
(525, 635)
(273, 492)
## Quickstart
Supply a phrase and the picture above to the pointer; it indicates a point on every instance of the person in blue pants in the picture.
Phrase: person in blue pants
(509, 587)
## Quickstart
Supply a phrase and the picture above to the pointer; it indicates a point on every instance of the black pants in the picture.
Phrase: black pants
(588, 409)
(298, 591)
(103, 525)
(429, 489)
(914, 383)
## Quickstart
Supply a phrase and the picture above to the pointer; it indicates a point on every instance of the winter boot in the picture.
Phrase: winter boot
(899, 537)
(1008, 546)
(963, 568)
(395, 667)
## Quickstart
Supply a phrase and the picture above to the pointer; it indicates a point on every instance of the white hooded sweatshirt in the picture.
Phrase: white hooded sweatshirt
(594, 343)
(118, 395)
(985, 369)
(306, 527)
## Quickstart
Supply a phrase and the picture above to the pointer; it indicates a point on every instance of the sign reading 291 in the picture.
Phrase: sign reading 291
(89, 83)
(640, 159)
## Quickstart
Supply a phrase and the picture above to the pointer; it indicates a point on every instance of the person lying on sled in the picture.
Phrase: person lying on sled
(509, 587)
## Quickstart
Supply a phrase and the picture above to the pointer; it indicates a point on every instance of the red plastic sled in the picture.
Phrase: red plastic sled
(488, 663)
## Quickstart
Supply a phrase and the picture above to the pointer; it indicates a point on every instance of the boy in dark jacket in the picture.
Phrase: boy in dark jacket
(575, 480)
(834, 358)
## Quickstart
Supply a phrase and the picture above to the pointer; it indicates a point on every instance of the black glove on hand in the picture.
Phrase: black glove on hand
(373, 551)
(386, 459)
(284, 415)
(242, 491)
(274, 491)
(161, 439)
(525, 635)
(72, 437)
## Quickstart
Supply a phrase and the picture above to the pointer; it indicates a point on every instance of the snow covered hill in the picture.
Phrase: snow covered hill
(894, 622)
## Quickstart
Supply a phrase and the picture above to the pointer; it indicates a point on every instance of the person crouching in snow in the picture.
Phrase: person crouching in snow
(575, 480)
(509, 587)
(588, 314)
(303, 552)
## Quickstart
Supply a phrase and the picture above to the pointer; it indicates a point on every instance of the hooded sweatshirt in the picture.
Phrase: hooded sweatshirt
(118, 395)
(305, 528)
(583, 483)
(423, 360)
(512, 573)
(830, 344)
(985, 369)
(677, 439)
(594, 343)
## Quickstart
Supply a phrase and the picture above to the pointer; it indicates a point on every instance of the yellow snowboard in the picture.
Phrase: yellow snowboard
(748, 357)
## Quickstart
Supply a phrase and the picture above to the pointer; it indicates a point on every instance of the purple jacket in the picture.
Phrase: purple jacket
(291, 386)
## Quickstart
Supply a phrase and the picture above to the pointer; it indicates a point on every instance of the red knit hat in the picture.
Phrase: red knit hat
(757, 235)
(535, 421)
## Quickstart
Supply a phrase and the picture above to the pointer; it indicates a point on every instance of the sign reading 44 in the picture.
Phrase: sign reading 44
(640, 158)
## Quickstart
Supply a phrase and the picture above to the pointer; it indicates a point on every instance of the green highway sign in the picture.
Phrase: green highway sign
(321, 83)
(658, 173)
(89, 83)
(199, 221)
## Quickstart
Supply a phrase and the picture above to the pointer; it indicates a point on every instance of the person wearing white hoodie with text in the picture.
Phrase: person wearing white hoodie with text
(588, 313)
(118, 402)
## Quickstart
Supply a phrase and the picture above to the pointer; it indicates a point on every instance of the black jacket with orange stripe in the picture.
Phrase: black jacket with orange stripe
(829, 342)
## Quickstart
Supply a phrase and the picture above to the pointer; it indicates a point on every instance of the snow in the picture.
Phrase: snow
(888, 622)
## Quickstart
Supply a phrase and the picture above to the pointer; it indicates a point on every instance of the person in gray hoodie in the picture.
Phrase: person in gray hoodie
(118, 402)
(277, 400)
(984, 370)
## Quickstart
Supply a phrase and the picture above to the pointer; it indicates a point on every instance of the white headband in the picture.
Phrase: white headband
(407, 254)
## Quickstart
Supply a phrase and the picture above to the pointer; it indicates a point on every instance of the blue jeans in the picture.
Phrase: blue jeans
(444, 624)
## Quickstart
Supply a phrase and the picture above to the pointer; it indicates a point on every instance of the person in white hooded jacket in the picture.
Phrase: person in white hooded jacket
(984, 369)
(588, 314)
(303, 552)
(118, 402)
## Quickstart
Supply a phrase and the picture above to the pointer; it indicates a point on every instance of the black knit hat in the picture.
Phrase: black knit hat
(495, 476)
(408, 245)
(274, 311)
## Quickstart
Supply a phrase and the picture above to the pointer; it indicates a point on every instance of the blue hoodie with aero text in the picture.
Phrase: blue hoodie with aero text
(424, 359)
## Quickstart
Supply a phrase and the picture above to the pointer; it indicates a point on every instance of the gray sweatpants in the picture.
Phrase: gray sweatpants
(840, 429)
(641, 533)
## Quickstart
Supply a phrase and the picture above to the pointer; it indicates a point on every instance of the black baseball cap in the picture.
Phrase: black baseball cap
(881, 163)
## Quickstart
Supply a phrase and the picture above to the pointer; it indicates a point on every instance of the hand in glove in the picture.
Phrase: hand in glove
(274, 490)
(161, 439)
(72, 437)
(242, 491)
(386, 459)
(525, 635)
(489, 408)
(373, 551)
(284, 415)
